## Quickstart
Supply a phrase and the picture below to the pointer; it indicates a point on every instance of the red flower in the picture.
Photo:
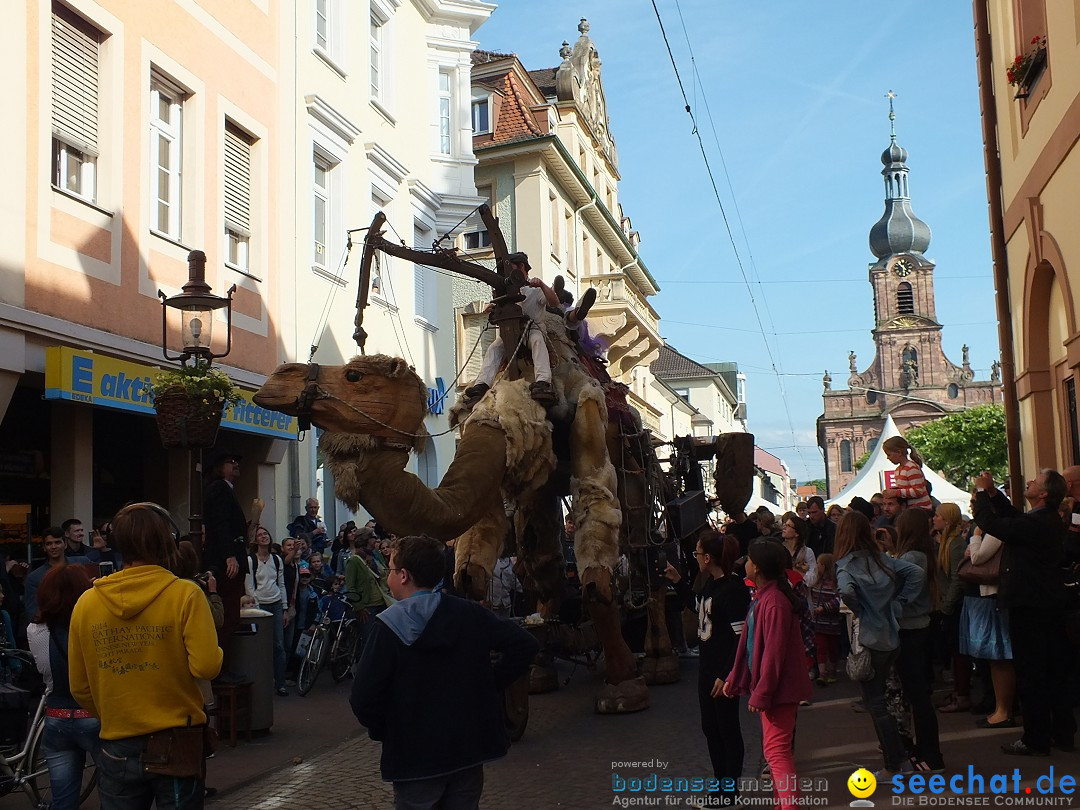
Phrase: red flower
(1035, 39)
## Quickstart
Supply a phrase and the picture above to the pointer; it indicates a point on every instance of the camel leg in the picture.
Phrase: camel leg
(596, 544)
(661, 664)
(476, 551)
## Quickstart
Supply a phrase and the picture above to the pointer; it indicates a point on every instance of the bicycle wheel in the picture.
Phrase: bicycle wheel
(37, 777)
(312, 663)
(344, 651)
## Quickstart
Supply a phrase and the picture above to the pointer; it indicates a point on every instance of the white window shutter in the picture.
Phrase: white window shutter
(237, 181)
(472, 326)
(75, 84)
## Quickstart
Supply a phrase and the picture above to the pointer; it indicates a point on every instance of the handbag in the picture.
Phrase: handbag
(859, 666)
(179, 752)
(988, 572)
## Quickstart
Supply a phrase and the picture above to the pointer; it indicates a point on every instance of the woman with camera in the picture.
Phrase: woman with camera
(139, 640)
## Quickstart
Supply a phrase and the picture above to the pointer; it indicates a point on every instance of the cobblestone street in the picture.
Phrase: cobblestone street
(569, 754)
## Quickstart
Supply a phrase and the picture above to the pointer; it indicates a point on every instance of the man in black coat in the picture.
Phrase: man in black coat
(822, 530)
(426, 685)
(225, 548)
(1032, 588)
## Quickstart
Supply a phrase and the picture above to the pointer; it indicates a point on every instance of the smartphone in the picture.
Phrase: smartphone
(105, 568)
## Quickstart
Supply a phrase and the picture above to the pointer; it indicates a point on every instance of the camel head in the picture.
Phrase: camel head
(373, 394)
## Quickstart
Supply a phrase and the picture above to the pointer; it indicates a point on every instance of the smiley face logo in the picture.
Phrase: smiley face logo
(862, 784)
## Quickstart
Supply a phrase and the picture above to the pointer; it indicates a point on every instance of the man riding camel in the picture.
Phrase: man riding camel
(538, 296)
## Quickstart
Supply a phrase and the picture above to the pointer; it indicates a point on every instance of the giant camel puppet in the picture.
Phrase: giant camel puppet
(372, 409)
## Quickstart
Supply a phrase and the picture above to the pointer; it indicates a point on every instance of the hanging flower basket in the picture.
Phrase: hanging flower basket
(1027, 67)
(189, 402)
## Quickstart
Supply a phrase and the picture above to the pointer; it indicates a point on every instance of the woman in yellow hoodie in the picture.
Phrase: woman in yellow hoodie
(139, 641)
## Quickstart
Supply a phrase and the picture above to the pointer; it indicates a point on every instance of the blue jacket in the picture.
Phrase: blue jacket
(878, 594)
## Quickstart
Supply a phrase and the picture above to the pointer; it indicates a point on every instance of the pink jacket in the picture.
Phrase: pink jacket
(779, 672)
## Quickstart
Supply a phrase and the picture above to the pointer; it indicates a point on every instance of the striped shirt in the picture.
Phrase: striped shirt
(911, 486)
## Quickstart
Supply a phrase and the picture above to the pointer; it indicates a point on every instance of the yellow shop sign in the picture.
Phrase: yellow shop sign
(82, 376)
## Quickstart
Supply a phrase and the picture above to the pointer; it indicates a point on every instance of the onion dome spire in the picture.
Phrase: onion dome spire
(898, 230)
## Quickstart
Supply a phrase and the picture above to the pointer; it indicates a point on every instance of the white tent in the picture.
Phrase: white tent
(871, 480)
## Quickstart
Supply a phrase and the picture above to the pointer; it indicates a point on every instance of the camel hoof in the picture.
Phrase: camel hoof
(543, 678)
(664, 669)
(623, 698)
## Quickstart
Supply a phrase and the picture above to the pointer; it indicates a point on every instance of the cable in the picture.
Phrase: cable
(329, 303)
(810, 332)
(803, 280)
(727, 226)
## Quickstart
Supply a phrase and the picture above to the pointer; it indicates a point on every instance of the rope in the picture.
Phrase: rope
(325, 314)
(455, 227)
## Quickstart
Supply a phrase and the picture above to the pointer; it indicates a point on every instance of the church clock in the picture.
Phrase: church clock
(903, 267)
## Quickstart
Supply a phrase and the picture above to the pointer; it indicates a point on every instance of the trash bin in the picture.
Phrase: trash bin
(253, 659)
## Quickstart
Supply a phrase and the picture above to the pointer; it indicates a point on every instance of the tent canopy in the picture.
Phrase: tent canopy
(870, 481)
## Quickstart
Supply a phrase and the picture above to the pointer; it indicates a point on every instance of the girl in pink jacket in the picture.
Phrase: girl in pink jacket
(769, 663)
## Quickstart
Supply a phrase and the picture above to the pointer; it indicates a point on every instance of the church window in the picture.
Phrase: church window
(845, 456)
(954, 390)
(871, 397)
(872, 444)
(905, 299)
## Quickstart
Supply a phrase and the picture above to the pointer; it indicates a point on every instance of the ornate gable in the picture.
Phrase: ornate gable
(577, 80)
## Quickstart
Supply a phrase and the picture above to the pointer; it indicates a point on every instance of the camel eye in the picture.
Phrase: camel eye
(353, 376)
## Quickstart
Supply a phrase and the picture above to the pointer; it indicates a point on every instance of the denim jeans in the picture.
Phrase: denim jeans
(66, 744)
(873, 692)
(455, 791)
(279, 641)
(911, 667)
(122, 785)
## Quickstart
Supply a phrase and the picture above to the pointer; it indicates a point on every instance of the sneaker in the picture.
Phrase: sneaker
(588, 298)
(822, 681)
(282, 692)
(830, 679)
(1021, 749)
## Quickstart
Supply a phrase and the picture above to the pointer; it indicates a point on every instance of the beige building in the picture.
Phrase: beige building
(1031, 129)
(549, 166)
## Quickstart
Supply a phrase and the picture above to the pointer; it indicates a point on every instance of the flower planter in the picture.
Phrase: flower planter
(184, 421)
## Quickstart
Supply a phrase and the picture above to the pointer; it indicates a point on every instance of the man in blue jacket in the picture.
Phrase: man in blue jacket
(426, 685)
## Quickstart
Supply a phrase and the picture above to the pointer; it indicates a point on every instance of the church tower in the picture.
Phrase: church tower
(910, 377)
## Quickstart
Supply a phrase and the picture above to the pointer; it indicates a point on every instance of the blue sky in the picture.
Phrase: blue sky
(796, 95)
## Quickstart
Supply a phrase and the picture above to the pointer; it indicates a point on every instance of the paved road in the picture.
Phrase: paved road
(569, 754)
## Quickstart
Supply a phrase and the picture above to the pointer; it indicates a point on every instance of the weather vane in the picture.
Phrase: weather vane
(892, 114)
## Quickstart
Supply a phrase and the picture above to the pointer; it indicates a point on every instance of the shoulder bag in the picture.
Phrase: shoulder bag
(988, 572)
(860, 667)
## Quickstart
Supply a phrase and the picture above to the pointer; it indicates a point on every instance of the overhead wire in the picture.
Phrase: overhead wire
(727, 227)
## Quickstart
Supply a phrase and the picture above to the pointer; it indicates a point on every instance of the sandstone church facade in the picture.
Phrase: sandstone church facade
(909, 378)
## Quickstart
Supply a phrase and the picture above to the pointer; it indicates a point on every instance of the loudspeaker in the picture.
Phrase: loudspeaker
(688, 514)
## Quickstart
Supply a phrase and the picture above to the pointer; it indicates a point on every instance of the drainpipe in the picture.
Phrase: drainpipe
(580, 269)
(992, 157)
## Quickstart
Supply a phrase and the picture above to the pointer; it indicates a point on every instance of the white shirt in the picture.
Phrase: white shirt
(38, 637)
(269, 580)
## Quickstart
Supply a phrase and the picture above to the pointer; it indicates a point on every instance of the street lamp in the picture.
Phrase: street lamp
(196, 304)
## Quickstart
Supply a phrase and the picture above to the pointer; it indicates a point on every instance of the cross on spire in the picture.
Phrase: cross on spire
(892, 114)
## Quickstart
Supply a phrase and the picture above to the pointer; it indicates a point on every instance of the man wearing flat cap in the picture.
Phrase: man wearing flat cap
(225, 545)
(538, 297)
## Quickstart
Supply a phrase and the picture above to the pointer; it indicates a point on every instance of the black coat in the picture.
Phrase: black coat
(436, 704)
(1032, 553)
(226, 528)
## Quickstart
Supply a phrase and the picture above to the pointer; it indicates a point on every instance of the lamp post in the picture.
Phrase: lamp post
(196, 305)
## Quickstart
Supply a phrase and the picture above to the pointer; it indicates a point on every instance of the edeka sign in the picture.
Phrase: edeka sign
(82, 376)
(436, 397)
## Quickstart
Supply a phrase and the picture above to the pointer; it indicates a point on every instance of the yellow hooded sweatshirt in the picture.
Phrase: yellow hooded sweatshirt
(139, 639)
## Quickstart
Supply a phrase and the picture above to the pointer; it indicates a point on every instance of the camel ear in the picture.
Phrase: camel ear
(398, 367)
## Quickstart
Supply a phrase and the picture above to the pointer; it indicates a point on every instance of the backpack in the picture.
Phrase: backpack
(255, 566)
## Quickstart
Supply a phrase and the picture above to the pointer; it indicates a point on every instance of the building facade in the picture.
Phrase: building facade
(910, 377)
(148, 130)
(1031, 130)
(549, 168)
(386, 127)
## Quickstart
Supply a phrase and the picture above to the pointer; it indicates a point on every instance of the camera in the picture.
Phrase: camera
(105, 568)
